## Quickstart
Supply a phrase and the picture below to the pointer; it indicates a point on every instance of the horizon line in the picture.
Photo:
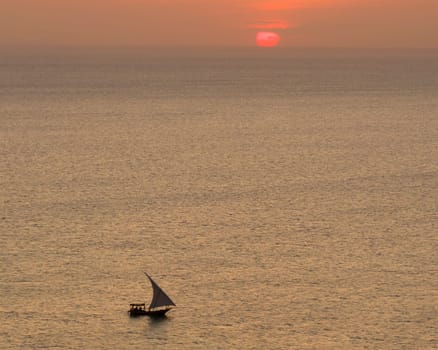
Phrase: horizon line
(183, 46)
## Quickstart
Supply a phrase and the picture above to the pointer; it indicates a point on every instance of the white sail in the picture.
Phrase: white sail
(159, 298)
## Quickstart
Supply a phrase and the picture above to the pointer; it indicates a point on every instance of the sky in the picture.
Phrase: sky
(299, 23)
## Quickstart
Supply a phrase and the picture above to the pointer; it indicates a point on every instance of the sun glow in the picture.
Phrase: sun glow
(267, 39)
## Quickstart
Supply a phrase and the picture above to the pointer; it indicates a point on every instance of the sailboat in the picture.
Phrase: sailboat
(160, 304)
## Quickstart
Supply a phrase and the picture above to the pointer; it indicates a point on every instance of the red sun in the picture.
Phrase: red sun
(267, 39)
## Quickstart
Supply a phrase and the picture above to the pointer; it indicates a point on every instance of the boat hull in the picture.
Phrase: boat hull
(136, 313)
(150, 313)
(157, 313)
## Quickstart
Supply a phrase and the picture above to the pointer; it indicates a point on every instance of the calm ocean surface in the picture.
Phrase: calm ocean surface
(283, 199)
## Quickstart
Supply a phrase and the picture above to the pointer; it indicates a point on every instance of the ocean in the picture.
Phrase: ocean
(283, 198)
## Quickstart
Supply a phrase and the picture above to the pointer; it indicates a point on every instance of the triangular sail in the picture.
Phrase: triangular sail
(159, 299)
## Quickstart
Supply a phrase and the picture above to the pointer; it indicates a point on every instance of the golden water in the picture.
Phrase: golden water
(283, 200)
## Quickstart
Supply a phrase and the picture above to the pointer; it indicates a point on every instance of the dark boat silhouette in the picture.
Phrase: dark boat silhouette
(160, 304)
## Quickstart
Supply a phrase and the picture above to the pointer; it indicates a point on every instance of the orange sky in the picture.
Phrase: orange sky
(332, 23)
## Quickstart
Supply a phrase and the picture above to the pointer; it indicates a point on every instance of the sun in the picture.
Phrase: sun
(267, 39)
